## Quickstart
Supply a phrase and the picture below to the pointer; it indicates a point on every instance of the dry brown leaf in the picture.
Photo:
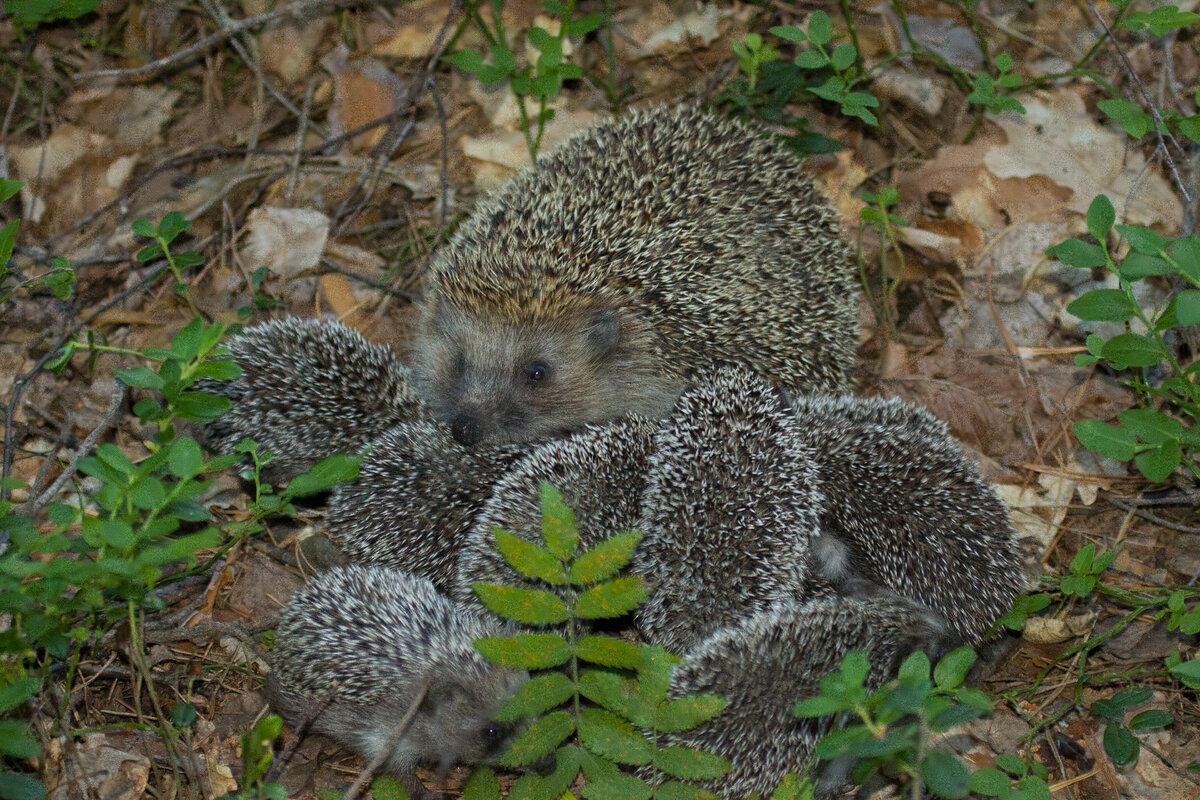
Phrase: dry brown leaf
(338, 294)
(364, 91)
(508, 150)
(1050, 630)
(289, 48)
(104, 765)
(695, 28)
(414, 32)
(287, 241)
(1058, 139)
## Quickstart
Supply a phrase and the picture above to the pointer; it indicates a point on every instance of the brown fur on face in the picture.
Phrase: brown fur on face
(494, 380)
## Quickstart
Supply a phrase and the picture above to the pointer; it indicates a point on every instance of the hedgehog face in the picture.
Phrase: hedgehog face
(455, 725)
(493, 380)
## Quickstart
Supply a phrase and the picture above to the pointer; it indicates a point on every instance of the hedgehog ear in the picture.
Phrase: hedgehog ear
(603, 330)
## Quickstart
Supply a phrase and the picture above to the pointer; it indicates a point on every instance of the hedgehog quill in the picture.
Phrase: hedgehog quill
(638, 252)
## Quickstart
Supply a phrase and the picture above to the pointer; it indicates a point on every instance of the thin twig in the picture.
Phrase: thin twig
(1160, 127)
(22, 381)
(395, 135)
(1150, 516)
(309, 717)
(294, 9)
(33, 507)
(392, 741)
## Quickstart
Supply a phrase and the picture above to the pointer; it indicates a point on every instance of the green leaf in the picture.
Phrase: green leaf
(1103, 305)
(18, 692)
(945, 775)
(686, 713)
(819, 706)
(915, 667)
(689, 764)
(1100, 216)
(611, 599)
(1159, 462)
(1078, 253)
(201, 406)
(1187, 307)
(793, 787)
(324, 475)
(1121, 746)
(141, 377)
(385, 787)
(16, 741)
(611, 737)
(186, 344)
(820, 29)
(529, 559)
(1107, 440)
(526, 650)
(186, 459)
(607, 651)
(14, 786)
(1188, 672)
(1152, 427)
(466, 60)
(558, 524)
(674, 790)
(605, 559)
(1154, 718)
(528, 606)
(789, 32)
(1143, 239)
(1133, 350)
(536, 696)
(953, 668)
(654, 672)
(1132, 118)
(539, 739)
(1140, 265)
(842, 56)
(1011, 764)
(619, 695)
(9, 188)
(143, 227)
(1186, 252)
(991, 782)
(618, 787)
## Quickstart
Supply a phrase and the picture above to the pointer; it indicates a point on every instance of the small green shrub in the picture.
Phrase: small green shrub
(891, 729)
(540, 81)
(596, 701)
(73, 571)
(1156, 436)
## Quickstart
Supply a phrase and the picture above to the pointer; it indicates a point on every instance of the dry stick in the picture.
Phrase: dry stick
(31, 508)
(385, 149)
(294, 9)
(1150, 516)
(309, 717)
(22, 381)
(1160, 127)
(392, 741)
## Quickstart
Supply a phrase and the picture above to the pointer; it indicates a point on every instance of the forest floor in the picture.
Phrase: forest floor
(139, 109)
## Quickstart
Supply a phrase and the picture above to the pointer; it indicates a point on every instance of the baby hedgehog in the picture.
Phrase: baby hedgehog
(417, 493)
(730, 510)
(589, 286)
(309, 388)
(905, 510)
(766, 663)
(600, 471)
(369, 640)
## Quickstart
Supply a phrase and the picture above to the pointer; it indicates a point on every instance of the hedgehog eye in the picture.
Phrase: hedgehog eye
(536, 372)
(494, 734)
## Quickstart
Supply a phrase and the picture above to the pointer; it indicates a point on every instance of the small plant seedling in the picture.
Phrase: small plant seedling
(596, 701)
(1161, 433)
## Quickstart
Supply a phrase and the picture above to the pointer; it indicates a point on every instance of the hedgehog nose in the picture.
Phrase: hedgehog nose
(466, 429)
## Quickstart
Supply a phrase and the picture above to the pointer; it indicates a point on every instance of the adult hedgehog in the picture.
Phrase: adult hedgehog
(637, 252)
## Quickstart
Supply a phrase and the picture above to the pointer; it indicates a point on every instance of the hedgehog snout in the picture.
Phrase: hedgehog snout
(467, 429)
